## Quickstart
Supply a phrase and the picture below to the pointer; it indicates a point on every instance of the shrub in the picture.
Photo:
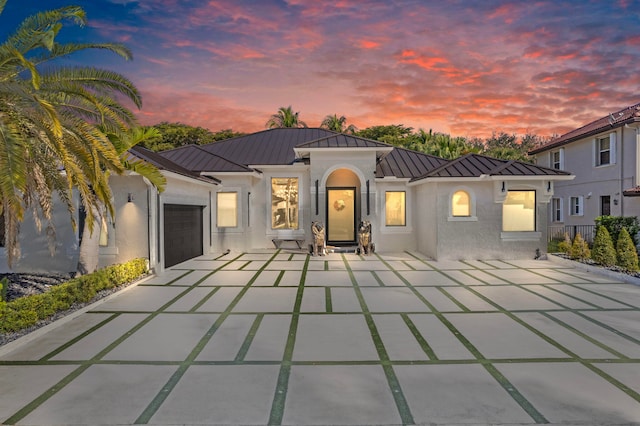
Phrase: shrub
(27, 311)
(615, 224)
(603, 251)
(565, 246)
(579, 248)
(626, 252)
(4, 286)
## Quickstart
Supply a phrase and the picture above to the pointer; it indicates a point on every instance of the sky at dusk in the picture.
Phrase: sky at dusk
(467, 68)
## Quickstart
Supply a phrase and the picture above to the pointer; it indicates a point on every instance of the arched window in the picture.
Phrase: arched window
(461, 204)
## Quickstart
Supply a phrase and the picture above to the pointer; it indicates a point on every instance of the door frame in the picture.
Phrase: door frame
(355, 212)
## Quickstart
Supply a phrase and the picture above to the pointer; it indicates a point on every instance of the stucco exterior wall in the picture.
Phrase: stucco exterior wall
(35, 255)
(396, 238)
(483, 238)
(426, 219)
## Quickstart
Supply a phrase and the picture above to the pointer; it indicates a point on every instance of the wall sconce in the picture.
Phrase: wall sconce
(129, 197)
(549, 186)
(615, 201)
(504, 188)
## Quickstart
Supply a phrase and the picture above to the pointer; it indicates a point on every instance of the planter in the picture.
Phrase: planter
(595, 269)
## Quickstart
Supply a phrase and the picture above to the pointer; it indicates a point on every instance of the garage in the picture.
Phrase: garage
(182, 233)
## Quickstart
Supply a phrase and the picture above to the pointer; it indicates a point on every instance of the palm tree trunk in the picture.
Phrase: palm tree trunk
(89, 246)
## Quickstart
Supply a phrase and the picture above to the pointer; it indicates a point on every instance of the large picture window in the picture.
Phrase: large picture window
(284, 203)
(227, 216)
(519, 211)
(395, 208)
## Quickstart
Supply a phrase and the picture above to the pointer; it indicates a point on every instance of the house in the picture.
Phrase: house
(267, 188)
(604, 155)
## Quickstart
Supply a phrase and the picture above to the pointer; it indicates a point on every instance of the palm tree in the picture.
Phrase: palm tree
(89, 247)
(54, 124)
(337, 124)
(285, 117)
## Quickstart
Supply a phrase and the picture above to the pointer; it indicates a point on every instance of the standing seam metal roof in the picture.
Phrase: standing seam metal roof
(196, 159)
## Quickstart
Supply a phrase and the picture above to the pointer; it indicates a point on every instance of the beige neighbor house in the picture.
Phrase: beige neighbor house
(604, 156)
(267, 188)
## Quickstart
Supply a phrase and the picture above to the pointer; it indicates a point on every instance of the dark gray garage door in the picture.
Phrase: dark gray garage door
(182, 233)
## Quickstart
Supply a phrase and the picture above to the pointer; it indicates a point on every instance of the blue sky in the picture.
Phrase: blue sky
(463, 67)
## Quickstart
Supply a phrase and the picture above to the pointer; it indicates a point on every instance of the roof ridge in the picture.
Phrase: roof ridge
(496, 170)
(224, 158)
(443, 166)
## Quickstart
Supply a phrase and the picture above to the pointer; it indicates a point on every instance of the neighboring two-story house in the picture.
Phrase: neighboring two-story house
(604, 155)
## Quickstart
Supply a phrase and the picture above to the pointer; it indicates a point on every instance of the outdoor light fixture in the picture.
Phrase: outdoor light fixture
(549, 186)
(503, 187)
(129, 197)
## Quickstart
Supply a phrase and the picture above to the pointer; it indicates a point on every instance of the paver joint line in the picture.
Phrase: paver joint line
(403, 319)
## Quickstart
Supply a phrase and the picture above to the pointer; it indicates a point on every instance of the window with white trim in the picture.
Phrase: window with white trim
(577, 206)
(605, 150)
(284, 203)
(461, 204)
(395, 208)
(519, 211)
(556, 210)
(227, 210)
(557, 159)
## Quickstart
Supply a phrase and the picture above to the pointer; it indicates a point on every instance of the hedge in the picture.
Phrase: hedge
(27, 311)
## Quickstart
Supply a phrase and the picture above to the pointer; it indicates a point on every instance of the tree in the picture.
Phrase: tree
(174, 135)
(603, 251)
(393, 134)
(580, 248)
(285, 117)
(337, 124)
(122, 141)
(626, 252)
(55, 118)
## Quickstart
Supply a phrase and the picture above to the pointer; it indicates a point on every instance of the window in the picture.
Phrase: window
(395, 203)
(557, 159)
(577, 206)
(605, 150)
(519, 211)
(284, 203)
(227, 209)
(605, 205)
(556, 210)
(461, 204)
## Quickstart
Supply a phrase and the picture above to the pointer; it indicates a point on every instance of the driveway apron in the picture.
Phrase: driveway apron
(284, 338)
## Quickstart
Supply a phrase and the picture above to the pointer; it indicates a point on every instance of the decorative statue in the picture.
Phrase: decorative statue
(365, 246)
(319, 246)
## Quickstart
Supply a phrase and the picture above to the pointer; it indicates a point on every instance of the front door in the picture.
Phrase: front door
(341, 216)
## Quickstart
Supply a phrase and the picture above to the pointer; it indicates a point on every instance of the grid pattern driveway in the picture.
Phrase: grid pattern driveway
(284, 338)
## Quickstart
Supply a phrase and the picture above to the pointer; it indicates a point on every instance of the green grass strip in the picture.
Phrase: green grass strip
(396, 390)
(327, 300)
(204, 299)
(280, 275)
(408, 265)
(159, 399)
(515, 394)
(249, 339)
(378, 280)
(78, 337)
(280, 396)
(453, 299)
(418, 336)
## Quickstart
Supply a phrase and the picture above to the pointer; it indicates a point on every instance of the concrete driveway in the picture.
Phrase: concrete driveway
(284, 338)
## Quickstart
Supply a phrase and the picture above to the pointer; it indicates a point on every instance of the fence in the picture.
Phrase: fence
(557, 232)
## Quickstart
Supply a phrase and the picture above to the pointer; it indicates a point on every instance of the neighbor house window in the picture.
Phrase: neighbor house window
(461, 204)
(577, 206)
(605, 205)
(556, 209)
(557, 159)
(227, 216)
(395, 208)
(284, 203)
(605, 150)
(519, 211)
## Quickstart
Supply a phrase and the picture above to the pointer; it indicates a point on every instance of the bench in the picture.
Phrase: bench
(278, 241)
